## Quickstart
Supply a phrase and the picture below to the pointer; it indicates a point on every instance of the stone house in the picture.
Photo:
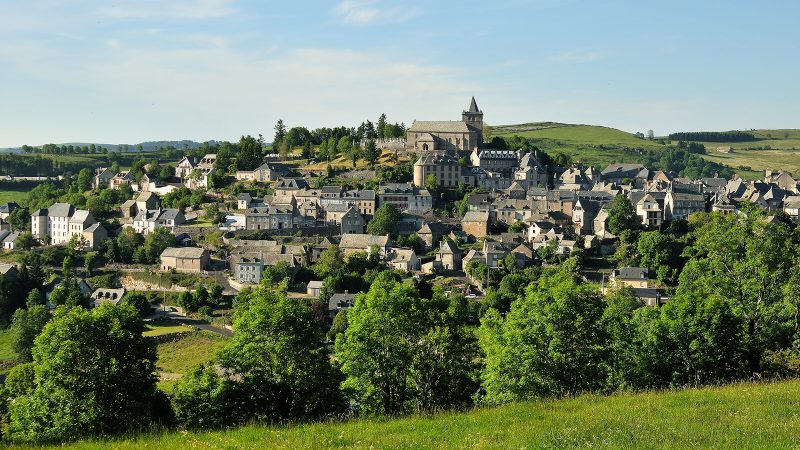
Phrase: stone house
(635, 277)
(449, 255)
(476, 223)
(184, 259)
(352, 243)
(402, 259)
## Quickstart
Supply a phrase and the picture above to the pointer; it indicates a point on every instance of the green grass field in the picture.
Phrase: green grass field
(602, 146)
(589, 144)
(7, 195)
(6, 352)
(738, 416)
(177, 357)
(160, 329)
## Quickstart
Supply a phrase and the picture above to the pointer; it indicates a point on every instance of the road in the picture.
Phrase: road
(172, 314)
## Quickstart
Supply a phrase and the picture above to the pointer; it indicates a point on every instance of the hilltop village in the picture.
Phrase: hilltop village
(469, 209)
(382, 270)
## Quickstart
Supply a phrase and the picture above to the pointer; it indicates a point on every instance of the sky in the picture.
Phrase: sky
(126, 71)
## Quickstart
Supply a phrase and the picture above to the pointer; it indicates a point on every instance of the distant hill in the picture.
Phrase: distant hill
(146, 146)
(592, 144)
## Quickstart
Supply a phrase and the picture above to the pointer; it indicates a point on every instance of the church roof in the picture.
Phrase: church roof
(439, 126)
(473, 107)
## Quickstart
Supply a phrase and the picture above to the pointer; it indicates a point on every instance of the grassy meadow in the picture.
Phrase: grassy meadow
(738, 416)
(589, 144)
(9, 195)
(176, 357)
(602, 146)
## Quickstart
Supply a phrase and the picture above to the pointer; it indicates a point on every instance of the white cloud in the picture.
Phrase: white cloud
(367, 12)
(220, 92)
(172, 9)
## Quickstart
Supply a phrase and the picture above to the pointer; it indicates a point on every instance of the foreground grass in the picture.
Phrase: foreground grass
(739, 416)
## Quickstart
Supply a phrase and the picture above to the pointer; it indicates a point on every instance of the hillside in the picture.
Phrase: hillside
(589, 144)
(739, 416)
(146, 146)
(773, 149)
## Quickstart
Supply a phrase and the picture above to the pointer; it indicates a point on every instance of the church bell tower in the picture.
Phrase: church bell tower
(474, 118)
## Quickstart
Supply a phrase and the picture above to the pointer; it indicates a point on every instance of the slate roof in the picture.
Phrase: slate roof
(60, 210)
(6, 208)
(631, 273)
(363, 241)
(80, 216)
(476, 216)
(183, 252)
(439, 126)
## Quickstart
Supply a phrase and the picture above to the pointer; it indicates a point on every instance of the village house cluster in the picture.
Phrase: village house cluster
(565, 208)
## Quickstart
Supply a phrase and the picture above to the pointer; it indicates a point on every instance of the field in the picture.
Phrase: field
(6, 352)
(8, 195)
(589, 144)
(738, 416)
(773, 149)
(175, 358)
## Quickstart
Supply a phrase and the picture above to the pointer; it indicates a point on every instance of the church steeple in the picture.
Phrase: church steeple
(474, 118)
(473, 106)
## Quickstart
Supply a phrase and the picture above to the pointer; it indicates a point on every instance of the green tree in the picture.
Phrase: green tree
(384, 221)
(742, 259)
(278, 356)
(380, 127)
(339, 325)
(199, 400)
(19, 219)
(661, 253)
(85, 179)
(139, 302)
(25, 326)
(280, 133)
(95, 375)
(372, 153)
(402, 353)
(308, 151)
(618, 319)
(330, 262)
(551, 343)
(622, 215)
(700, 341)
(249, 155)
(277, 274)
(156, 242)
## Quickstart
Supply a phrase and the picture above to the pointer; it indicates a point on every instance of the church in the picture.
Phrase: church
(450, 136)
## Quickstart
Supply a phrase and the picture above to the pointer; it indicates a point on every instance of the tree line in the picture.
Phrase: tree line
(713, 136)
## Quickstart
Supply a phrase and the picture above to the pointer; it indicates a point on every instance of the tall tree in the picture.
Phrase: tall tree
(553, 342)
(279, 360)
(384, 221)
(249, 156)
(25, 326)
(372, 153)
(622, 215)
(280, 133)
(401, 353)
(95, 375)
(380, 127)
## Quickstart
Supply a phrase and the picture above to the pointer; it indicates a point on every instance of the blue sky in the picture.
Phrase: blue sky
(124, 71)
